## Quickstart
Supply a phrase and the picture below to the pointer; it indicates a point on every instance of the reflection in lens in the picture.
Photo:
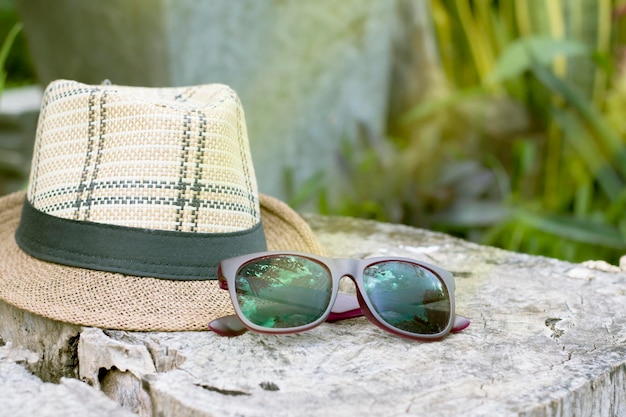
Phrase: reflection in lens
(408, 296)
(283, 291)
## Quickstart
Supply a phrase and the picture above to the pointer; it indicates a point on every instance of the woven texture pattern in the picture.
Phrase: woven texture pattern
(285, 229)
(165, 159)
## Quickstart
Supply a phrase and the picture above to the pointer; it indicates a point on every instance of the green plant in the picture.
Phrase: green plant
(581, 214)
(522, 146)
(18, 64)
(4, 52)
(9, 170)
(566, 175)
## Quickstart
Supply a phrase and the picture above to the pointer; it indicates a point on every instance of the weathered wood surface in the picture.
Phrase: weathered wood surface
(23, 394)
(548, 338)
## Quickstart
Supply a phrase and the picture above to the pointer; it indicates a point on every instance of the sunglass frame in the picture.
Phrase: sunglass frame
(338, 268)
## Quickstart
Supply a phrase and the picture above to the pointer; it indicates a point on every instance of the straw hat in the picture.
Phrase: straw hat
(134, 197)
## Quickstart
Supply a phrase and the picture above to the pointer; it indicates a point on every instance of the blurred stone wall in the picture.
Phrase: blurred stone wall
(312, 76)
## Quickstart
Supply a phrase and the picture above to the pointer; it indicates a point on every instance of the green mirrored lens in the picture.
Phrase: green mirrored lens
(408, 296)
(283, 291)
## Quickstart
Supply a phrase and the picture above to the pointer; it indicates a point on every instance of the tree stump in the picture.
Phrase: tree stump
(548, 338)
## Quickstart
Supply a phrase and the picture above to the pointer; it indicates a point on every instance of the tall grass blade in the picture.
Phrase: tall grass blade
(522, 54)
(4, 51)
(592, 117)
(599, 167)
(579, 230)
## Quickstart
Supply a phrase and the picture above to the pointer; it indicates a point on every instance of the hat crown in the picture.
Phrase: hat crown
(174, 159)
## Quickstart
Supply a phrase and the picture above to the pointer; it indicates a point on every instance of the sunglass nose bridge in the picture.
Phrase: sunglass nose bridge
(344, 267)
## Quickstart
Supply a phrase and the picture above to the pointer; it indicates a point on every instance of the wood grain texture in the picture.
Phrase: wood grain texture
(25, 395)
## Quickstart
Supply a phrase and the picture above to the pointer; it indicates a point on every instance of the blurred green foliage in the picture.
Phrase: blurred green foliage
(5, 48)
(18, 65)
(8, 168)
(523, 145)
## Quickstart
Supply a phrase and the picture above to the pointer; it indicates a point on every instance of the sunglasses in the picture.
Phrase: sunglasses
(288, 292)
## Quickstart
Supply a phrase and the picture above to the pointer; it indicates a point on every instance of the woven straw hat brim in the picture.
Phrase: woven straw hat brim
(124, 302)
